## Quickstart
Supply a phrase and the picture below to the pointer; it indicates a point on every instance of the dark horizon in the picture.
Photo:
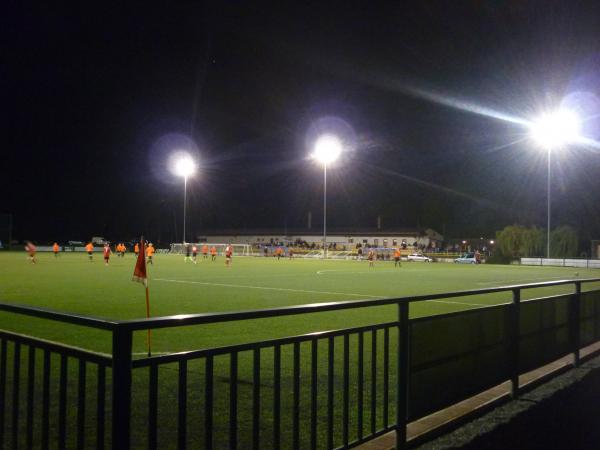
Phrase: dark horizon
(95, 101)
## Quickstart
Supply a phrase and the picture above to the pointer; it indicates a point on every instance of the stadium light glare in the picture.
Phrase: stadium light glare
(184, 166)
(327, 149)
(554, 130)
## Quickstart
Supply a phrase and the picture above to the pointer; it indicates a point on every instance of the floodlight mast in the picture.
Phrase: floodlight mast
(185, 167)
(552, 132)
(327, 149)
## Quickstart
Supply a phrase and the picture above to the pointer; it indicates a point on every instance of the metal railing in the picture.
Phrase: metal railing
(347, 386)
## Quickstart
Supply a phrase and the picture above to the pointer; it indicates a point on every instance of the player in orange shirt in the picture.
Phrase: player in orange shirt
(150, 252)
(106, 253)
(278, 253)
(397, 262)
(55, 249)
(30, 249)
(89, 248)
(205, 251)
(136, 249)
(213, 253)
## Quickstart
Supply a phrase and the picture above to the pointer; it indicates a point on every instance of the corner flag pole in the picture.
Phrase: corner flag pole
(149, 336)
(140, 274)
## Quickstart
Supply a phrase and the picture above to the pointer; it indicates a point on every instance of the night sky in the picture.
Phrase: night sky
(95, 99)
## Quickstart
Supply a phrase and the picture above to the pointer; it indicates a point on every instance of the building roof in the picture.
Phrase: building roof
(317, 232)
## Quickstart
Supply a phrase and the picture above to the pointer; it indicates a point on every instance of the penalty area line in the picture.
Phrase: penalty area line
(244, 286)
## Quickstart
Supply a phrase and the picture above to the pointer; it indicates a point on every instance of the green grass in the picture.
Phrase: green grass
(73, 284)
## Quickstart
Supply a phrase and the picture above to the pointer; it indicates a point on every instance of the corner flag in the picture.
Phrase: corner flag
(141, 275)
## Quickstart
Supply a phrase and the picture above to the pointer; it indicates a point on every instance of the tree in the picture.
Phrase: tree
(510, 240)
(515, 241)
(533, 242)
(563, 242)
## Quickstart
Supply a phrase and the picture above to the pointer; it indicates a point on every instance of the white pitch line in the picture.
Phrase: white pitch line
(457, 303)
(301, 290)
(343, 272)
(517, 280)
(153, 353)
(266, 288)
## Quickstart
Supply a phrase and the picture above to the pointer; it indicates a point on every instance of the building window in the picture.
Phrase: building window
(376, 242)
(351, 240)
(365, 241)
(394, 242)
(385, 241)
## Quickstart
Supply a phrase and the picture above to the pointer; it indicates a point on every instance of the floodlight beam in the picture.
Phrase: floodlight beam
(185, 166)
(327, 149)
(556, 129)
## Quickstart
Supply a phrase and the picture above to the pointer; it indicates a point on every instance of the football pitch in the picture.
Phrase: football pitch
(71, 283)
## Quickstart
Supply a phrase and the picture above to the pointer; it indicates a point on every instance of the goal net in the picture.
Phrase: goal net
(238, 249)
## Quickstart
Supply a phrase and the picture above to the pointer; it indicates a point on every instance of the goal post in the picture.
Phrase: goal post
(238, 249)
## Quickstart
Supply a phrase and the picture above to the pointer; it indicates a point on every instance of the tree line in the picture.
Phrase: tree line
(516, 241)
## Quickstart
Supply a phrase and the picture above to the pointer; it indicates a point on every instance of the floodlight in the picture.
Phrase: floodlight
(184, 166)
(556, 129)
(327, 149)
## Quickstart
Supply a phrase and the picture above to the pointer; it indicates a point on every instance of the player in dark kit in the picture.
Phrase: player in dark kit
(194, 254)
(106, 252)
(228, 255)
(30, 249)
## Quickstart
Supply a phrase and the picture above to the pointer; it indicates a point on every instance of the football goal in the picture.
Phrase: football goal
(238, 249)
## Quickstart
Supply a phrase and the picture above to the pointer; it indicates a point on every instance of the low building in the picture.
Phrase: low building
(349, 239)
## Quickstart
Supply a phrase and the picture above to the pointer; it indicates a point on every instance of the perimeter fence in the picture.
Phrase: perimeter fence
(329, 389)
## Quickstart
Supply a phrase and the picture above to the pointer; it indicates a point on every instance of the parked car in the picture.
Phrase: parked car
(467, 258)
(419, 257)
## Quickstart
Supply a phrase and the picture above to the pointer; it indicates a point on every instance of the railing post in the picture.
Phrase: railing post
(121, 388)
(514, 336)
(575, 325)
(403, 375)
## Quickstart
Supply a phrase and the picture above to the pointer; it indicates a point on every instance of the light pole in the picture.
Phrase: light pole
(184, 167)
(327, 149)
(552, 132)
